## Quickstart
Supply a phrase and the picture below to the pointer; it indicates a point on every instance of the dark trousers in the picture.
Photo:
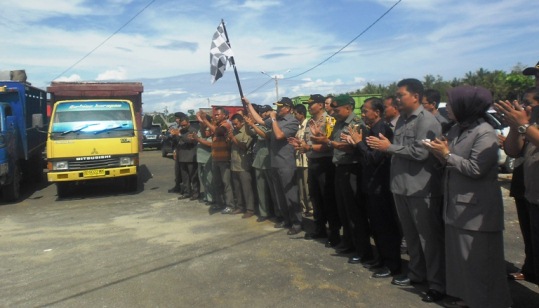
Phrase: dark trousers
(222, 187)
(349, 197)
(284, 190)
(523, 213)
(262, 181)
(189, 175)
(423, 229)
(177, 176)
(243, 190)
(322, 190)
(534, 239)
(385, 229)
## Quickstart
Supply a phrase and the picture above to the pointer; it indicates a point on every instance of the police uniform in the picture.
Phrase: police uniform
(321, 173)
(350, 200)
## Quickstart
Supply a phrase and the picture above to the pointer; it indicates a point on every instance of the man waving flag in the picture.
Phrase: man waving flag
(220, 53)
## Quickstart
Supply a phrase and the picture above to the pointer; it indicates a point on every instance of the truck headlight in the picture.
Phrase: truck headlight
(60, 165)
(126, 161)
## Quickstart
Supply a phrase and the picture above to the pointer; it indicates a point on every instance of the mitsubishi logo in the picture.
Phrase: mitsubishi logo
(94, 151)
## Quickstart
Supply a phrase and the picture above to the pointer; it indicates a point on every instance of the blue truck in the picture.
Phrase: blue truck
(23, 126)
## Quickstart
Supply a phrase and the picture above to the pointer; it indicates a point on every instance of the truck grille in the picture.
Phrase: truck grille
(95, 164)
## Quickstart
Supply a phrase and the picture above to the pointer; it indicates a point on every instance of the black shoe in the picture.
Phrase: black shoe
(331, 244)
(280, 225)
(402, 281)
(354, 260)
(294, 230)
(315, 235)
(372, 265)
(341, 245)
(433, 296)
(174, 190)
(383, 273)
(345, 250)
(215, 207)
(261, 219)
(182, 197)
(193, 197)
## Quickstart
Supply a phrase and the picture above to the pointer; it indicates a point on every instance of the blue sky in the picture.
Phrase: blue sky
(167, 45)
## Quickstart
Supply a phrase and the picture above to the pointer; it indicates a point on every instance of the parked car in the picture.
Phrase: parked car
(167, 141)
(151, 137)
(506, 163)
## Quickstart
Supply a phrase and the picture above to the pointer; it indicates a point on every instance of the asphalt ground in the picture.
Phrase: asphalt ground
(103, 247)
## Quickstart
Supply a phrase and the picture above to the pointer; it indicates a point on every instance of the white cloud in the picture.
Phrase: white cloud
(117, 74)
(73, 77)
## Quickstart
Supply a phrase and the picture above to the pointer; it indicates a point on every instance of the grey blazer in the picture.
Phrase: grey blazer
(473, 198)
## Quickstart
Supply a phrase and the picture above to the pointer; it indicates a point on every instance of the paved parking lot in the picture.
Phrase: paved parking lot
(106, 248)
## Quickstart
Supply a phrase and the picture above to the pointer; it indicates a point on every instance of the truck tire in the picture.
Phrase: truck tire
(12, 191)
(63, 189)
(131, 183)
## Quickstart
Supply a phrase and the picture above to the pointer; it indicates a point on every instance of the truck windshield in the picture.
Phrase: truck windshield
(92, 119)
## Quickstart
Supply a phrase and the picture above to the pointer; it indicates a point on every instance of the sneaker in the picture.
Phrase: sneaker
(227, 210)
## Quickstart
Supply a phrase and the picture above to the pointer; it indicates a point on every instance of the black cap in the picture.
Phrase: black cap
(531, 70)
(264, 108)
(179, 115)
(285, 101)
(315, 98)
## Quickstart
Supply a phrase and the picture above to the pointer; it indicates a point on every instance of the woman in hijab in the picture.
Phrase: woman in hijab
(473, 205)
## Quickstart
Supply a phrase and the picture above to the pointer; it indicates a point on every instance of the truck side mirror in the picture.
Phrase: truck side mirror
(37, 120)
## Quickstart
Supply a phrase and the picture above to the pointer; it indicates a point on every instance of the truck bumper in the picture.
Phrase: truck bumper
(82, 175)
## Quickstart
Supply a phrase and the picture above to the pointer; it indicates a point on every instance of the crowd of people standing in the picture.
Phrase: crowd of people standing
(400, 172)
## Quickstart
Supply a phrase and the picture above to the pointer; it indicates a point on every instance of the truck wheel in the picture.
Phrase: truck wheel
(131, 183)
(12, 191)
(62, 189)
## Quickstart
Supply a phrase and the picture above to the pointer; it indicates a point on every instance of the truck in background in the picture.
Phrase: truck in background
(23, 121)
(94, 133)
(358, 98)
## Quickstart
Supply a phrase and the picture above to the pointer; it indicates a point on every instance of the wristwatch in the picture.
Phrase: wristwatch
(447, 155)
(523, 128)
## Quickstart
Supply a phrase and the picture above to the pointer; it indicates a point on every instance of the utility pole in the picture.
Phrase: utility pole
(276, 78)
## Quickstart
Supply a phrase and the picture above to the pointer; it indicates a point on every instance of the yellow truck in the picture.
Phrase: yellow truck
(94, 134)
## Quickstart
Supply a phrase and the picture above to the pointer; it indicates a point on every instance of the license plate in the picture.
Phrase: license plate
(94, 172)
(151, 137)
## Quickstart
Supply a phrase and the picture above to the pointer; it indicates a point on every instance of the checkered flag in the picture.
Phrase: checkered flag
(220, 53)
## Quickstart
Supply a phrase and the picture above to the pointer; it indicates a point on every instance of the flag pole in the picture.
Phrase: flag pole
(234, 66)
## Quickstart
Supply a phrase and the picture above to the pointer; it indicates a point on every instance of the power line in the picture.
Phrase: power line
(331, 56)
(355, 38)
(108, 38)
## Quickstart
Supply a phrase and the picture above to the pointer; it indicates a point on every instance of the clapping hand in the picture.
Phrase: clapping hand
(355, 137)
(295, 142)
(315, 128)
(438, 147)
(512, 113)
(249, 120)
(380, 143)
